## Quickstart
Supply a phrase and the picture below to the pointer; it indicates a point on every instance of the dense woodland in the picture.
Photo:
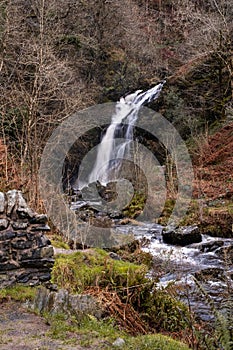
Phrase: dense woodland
(60, 57)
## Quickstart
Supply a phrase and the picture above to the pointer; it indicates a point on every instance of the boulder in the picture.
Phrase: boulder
(61, 301)
(182, 236)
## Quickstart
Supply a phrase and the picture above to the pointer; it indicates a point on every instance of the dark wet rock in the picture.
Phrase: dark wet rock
(226, 253)
(3, 224)
(21, 244)
(26, 254)
(114, 256)
(9, 265)
(7, 234)
(43, 241)
(156, 231)
(17, 225)
(38, 263)
(3, 256)
(39, 219)
(210, 274)
(182, 236)
(211, 246)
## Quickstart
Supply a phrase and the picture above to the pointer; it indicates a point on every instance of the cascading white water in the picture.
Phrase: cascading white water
(109, 151)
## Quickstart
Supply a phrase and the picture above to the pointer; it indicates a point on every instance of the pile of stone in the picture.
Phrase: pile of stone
(26, 254)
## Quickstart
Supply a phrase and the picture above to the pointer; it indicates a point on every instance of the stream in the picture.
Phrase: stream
(198, 270)
(204, 262)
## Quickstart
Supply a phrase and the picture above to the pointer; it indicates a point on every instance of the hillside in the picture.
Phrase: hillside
(213, 188)
(214, 166)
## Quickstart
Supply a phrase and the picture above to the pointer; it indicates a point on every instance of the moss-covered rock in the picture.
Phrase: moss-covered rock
(136, 205)
(94, 267)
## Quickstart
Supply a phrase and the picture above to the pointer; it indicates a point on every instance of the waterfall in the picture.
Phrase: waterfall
(110, 150)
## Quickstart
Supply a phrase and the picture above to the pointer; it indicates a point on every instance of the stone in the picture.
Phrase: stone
(119, 342)
(22, 208)
(3, 256)
(39, 219)
(114, 256)
(37, 263)
(45, 277)
(40, 228)
(9, 265)
(3, 224)
(43, 241)
(61, 301)
(182, 236)
(17, 225)
(11, 201)
(2, 202)
(24, 278)
(26, 256)
(32, 276)
(46, 252)
(211, 246)
(21, 244)
(5, 235)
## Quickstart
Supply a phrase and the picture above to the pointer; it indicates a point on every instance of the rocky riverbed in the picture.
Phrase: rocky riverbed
(204, 266)
(201, 266)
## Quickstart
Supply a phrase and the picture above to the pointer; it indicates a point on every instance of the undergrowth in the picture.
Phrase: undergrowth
(103, 333)
(93, 270)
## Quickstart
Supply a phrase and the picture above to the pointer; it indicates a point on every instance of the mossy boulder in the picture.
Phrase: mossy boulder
(94, 267)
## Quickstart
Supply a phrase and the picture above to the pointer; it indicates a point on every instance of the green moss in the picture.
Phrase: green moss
(102, 333)
(167, 211)
(58, 242)
(136, 205)
(193, 214)
(163, 311)
(18, 293)
(154, 342)
(92, 267)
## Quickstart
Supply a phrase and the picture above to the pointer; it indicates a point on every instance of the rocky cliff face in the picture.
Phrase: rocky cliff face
(26, 254)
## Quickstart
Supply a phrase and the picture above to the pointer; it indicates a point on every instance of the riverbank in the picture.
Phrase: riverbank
(22, 329)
